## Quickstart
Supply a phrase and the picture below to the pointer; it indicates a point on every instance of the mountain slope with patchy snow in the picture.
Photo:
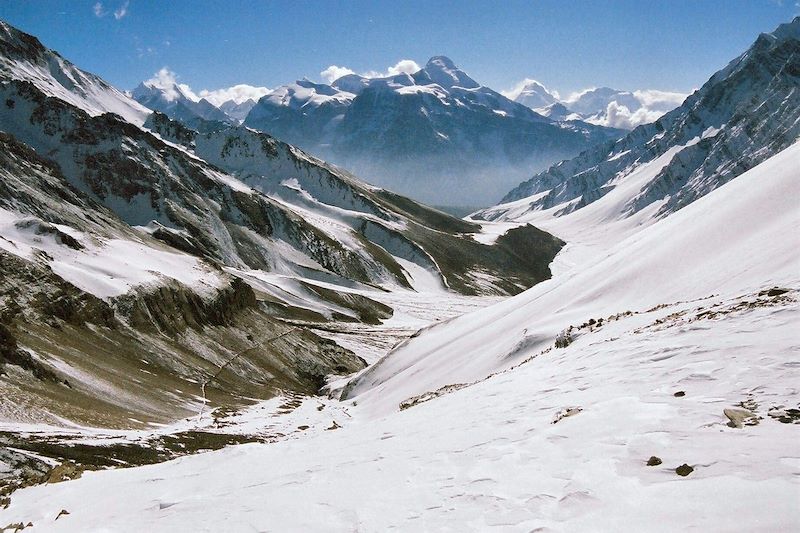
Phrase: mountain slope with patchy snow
(22, 56)
(659, 417)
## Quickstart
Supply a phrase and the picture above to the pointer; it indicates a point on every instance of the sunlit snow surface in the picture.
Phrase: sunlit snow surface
(500, 453)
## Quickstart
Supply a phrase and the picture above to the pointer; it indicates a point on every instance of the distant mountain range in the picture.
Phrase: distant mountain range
(744, 114)
(436, 135)
(603, 106)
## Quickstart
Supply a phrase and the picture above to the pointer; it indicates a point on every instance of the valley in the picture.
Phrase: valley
(210, 321)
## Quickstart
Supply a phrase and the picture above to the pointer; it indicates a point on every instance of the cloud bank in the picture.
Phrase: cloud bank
(238, 93)
(167, 81)
(334, 72)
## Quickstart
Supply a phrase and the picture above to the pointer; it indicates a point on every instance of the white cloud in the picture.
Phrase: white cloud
(167, 81)
(659, 100)
(237, 93)
(619, 116)
(407, 66)
(334, 72)
(573, 97)
(98, 10)
(122, 10)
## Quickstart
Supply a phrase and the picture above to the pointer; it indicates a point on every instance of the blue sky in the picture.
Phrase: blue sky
(568, 45)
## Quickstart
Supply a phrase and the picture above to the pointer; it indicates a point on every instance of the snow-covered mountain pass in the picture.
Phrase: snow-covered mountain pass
(739, 239)
(673, 396)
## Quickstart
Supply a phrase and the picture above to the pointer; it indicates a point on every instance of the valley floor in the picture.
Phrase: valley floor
(561, 442)
(670, 404)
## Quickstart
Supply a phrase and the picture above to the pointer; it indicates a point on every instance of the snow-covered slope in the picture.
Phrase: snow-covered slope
(737, 240)
(745, 113)
(436, 135)
(22, 56)
(673, 417)
(490, 457)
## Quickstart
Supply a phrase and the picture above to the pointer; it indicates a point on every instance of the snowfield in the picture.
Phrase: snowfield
(737, 240)
(490, 456)
(693, 368)
(105, 268)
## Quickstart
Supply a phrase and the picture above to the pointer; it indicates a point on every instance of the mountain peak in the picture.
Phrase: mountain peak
(441, 62)
(442, 71)
(534, 95)
(788, 30)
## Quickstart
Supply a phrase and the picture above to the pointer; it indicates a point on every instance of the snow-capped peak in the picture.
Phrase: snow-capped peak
(533, 94)
(163, 93)
(442, 71)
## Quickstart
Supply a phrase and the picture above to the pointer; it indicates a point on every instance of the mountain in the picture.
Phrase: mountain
(535, 95)
(237, 110)
(436, 135)
(744, 114)
(558, 111)
(23, 57)
(668, 215)
(647, 385)
(602, 106)
(622, 427)
(170, 99)
(198, 250)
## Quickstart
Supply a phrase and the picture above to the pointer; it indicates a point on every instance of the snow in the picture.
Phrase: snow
(104, 267)
(704, 249)
(478, 422)
(57, 77)
(489, 457)
(556, 439)
(491, 231)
